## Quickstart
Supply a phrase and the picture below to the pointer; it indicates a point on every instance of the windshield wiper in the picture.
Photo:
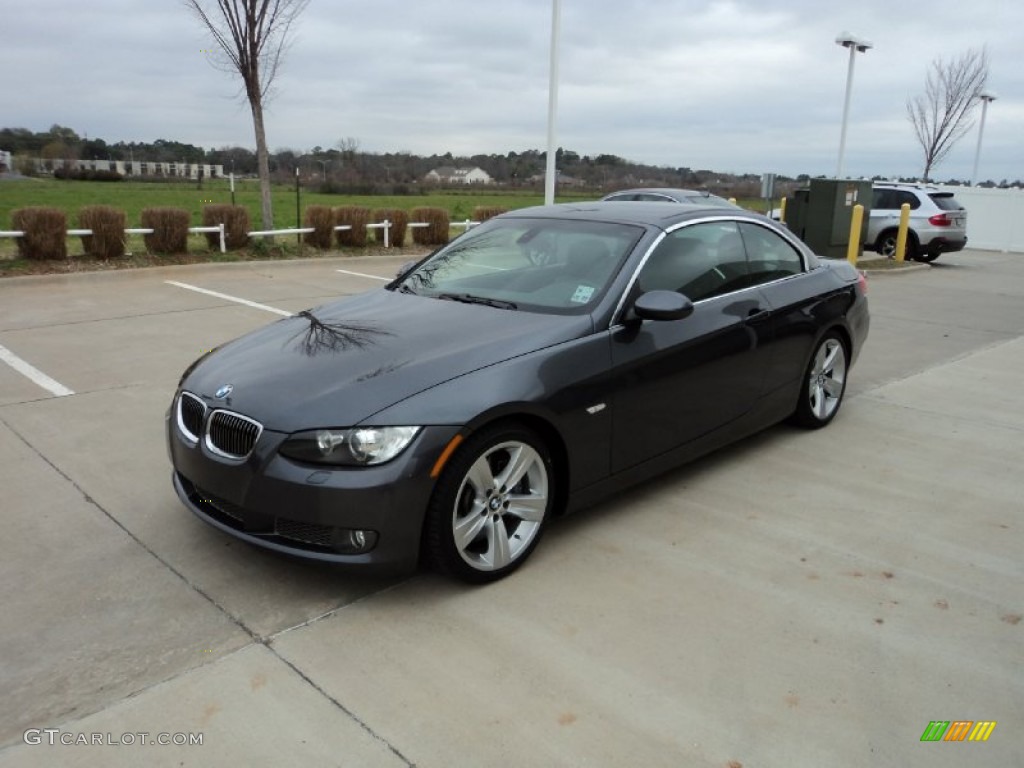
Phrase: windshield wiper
(405, 288)
(468, 298)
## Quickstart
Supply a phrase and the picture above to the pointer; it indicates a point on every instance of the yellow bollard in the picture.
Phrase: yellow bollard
(732, 200)
(855, 223)
(782, 211)
(901, 236)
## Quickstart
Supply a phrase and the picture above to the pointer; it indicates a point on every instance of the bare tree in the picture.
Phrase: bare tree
(253, 36)
(941, 116)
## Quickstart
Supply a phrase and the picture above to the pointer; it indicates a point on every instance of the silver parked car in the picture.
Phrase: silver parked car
(669, 195)
(938, 223)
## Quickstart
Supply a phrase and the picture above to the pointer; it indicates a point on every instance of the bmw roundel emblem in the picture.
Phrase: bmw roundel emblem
(223, 392)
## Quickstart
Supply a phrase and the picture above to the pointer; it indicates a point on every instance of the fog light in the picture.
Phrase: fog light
(355, 541)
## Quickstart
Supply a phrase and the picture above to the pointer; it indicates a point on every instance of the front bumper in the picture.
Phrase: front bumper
(308, 510)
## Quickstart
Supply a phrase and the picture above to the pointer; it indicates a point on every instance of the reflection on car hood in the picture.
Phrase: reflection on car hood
(340, 363)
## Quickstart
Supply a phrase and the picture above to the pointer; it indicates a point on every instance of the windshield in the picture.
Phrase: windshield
(544, 265)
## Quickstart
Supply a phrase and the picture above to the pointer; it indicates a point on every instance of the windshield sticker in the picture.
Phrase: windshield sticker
(583, 294)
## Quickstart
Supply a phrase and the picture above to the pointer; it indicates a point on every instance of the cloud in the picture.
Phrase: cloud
(723, 84)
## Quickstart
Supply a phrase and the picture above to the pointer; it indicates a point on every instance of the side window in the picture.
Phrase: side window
(651, 197)
(700, 261)
(619, 198)
(769, 256)
(907, 197)
(883, 200)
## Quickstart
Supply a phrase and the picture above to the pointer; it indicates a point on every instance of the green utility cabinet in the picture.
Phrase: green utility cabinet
(821, 215)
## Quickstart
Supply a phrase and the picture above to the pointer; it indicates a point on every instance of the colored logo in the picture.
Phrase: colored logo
(958, 730)
(223, 392)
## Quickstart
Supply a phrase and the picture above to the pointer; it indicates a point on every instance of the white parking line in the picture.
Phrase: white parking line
(33, 373)
(363, 274)
(235, 299)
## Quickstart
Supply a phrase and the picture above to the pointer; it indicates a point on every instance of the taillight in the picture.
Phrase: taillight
(940, 220)
(862, 283)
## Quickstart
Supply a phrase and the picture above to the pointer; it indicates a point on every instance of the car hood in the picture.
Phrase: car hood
(338, 364)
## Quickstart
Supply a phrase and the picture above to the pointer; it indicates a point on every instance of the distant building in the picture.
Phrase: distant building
(136, 168)
(448, 175)
(6, 162)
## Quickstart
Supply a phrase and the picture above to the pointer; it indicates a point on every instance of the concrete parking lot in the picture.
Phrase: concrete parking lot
(801, 599)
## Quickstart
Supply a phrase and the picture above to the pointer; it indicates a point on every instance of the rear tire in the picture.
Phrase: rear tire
(490, 506)
(885, 245)
(824, 383)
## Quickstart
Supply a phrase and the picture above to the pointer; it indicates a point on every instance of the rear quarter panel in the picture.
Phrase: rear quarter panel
(804, 308)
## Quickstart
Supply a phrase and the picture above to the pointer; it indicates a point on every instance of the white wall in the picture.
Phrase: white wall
(995, 217)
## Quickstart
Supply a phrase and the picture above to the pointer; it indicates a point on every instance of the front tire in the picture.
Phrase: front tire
(824, 383)
(490, 506)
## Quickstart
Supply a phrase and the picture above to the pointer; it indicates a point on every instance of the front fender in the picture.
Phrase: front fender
(566, 386)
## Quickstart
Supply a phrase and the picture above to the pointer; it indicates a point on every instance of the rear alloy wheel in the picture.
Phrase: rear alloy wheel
(490, 505)
(824, 384)
(886, 246)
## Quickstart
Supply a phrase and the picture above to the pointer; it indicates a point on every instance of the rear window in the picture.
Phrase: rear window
(945, 201)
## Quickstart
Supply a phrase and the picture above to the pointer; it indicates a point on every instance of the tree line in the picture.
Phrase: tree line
(345, 168)
(345, 164)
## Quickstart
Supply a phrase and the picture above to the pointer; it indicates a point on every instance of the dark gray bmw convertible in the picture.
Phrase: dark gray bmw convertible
(532, 366)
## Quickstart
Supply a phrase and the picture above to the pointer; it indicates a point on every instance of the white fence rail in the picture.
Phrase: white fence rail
(128, 231)
(386, 225)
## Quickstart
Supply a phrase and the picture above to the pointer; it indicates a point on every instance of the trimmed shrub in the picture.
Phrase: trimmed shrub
(170, 229)
(485, 212)
(45, 232)
(438, 231)
(235, 219)
(107, 225)
(321, 218)
(399, 223)
(356, 217)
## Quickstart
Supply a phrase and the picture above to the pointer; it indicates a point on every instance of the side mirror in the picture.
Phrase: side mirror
(662, 305)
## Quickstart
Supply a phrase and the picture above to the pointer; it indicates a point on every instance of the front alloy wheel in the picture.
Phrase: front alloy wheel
(489, 508)
(824, 384)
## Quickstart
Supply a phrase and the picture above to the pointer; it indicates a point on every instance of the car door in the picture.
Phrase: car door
(885, 210)
(794, 300)
(676, 381)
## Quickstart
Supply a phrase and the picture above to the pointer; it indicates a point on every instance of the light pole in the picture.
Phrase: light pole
(986, 97)
(550, 173)
(855, 45)
(323, 169)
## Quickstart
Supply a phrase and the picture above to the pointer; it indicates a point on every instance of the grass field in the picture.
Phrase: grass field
(132, 197)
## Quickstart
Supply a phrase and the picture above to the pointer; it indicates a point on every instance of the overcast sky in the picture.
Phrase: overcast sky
(728, 85)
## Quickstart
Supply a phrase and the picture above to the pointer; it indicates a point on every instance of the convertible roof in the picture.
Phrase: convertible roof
(655, 214)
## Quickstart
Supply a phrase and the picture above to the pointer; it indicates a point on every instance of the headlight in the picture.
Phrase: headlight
(361, 446)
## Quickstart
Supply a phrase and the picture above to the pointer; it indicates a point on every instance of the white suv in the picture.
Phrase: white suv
(938, 223)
